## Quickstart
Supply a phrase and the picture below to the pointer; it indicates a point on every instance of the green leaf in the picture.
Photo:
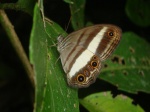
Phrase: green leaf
(23, 5)
(69, 1)
(138, 12)
(52, 93)
(104, 102)
(77, 13)
(26, 5)
(129, 67)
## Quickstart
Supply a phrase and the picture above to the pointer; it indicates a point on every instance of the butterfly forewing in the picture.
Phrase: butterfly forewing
(109, 42)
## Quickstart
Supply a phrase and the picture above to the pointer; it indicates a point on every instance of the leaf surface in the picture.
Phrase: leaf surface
(52, 93)
(129, 67)
(104, 102)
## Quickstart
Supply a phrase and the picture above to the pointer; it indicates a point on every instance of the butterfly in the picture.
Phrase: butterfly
(83, 51)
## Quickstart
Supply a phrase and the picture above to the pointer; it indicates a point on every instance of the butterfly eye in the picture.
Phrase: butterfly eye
(94, 64)
(111, 34)
(80, 78)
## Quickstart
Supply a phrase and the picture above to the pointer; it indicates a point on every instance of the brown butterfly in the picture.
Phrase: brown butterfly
(82, 52)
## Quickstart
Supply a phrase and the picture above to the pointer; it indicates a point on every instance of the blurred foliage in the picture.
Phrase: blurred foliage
(138, 12)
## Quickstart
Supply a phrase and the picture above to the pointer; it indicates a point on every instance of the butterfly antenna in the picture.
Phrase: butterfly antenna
(68, 24)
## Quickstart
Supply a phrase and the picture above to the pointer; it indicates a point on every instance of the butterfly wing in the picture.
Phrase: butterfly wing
(82, 68)
(108, 39)
(82, 51)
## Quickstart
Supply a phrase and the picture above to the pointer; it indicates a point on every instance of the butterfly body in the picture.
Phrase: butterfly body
(83, 51)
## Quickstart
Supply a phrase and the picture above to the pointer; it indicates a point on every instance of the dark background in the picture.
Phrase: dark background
(15, 95)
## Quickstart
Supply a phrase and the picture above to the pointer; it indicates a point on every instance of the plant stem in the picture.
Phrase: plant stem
(9, 28)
